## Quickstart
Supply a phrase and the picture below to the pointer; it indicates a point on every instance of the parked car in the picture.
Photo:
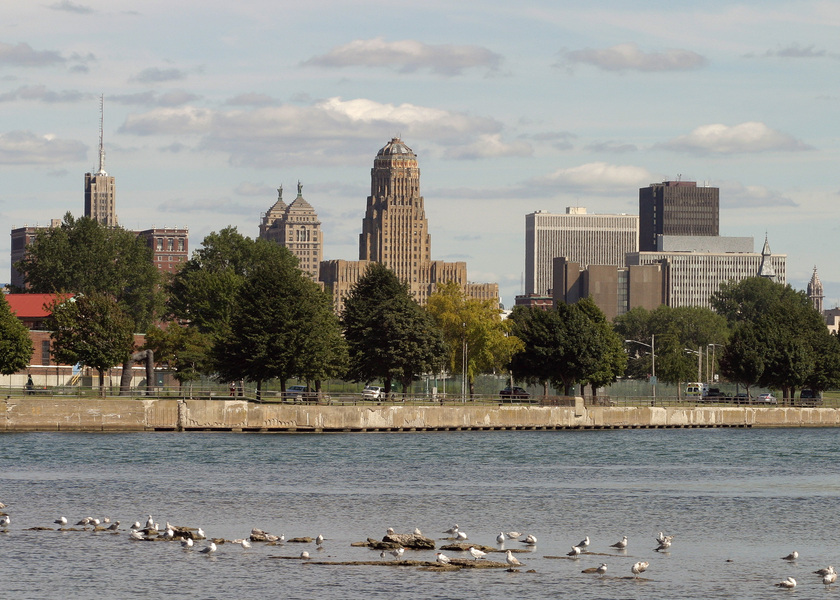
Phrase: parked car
(809, 398)
(299, 393)
(741, 398)
(765, 398)
(373, 392)
(514, 393)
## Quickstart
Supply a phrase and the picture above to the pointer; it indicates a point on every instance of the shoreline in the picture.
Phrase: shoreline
(132, 414)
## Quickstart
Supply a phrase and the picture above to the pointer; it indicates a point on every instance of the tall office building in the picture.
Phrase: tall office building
(395, 233)
(100, 193)
(295, 226)
(677, 208)
(580, 238)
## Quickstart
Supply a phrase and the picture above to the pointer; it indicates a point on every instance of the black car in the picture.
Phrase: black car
(514, 393)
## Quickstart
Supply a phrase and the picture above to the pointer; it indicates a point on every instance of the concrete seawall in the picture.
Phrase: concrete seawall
(32, 413)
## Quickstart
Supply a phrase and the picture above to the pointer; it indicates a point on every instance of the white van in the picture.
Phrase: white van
(696, 390)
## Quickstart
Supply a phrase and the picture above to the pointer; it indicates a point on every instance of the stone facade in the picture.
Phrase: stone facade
(395, 233)
(579, 237)
(296, 227)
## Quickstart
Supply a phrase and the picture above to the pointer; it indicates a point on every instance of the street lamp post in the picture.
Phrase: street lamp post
(714, 346)
(652, 347)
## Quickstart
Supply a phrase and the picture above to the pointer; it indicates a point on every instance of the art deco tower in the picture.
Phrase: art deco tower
(395, 231)
(100, 197)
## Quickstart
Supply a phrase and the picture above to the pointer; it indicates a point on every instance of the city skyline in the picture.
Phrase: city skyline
(209, 107)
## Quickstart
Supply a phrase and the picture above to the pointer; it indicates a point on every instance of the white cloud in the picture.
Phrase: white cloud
(408, 56)
(737, 195)
(628, 57)
(42, 94)
(490, 146)
(598, 176)
(155, 75)
(26, 148)
(333, 130)
(23, 55)
(746, 137)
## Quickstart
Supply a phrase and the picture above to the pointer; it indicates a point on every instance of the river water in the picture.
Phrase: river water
(735, 500)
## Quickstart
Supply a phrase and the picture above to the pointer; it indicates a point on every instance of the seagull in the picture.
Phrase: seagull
(85, 522)
(397, 553)
(304, 554)
(136, 525)
(530, 540)
(452, 530)
(792, 556)
(584, 543)
(382, 554)
(500, 539)
(460, 536)
(319, 540)
(137, 535)
(114, 526)
(417, 531)
(185, 543)
(2, 505)
(200, 534)
(513, 535)
(663, 545)
(442, 558)
(512, 560)
(829, 578)
(600, 570)
(825, 571)
(390, 531)
(95, 522)
(271, 537)
(787, 584)
(576, 550)
(5, 520)
(106, 519)
(245, 544)
(639, 567)
(169, 534)
(621, 545)
(664, 538)
(208, 549)
(150, 523)
(476, 553)
(61, 521)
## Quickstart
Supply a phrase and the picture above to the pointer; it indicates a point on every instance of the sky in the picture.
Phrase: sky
(210, 105)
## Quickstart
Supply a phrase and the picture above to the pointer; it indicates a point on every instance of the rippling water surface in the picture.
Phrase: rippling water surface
(735, 500)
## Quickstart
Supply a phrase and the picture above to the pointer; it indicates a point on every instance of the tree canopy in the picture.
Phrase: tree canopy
(93, 330)
(280, 325)
(389, 336)
(474, 325)
(15, 343)
(82, 256)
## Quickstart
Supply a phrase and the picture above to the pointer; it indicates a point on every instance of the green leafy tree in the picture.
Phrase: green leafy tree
(475, 326)
(203, 292)
(609, 348)
(93, 330)
(279, 325)
(781, 334)
(389, 336)
(15, 344)
(562, 345)
(184, 350)
(744, 356)
(82, 256)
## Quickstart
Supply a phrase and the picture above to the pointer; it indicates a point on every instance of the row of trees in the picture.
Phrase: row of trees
(241, 309)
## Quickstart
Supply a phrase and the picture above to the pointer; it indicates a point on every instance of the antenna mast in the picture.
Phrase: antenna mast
(101, 135)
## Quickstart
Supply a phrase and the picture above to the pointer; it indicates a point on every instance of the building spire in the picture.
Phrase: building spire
(101, 136)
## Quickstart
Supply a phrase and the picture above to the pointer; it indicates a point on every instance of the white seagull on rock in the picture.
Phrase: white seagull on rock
(476, 553)
(576, 550)
(584, 543)
(137, 535)
(5, 520)
(639, 567)
(460, 536)
(442, 558)
(452, 530)
(61, 521)
(512, 560)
